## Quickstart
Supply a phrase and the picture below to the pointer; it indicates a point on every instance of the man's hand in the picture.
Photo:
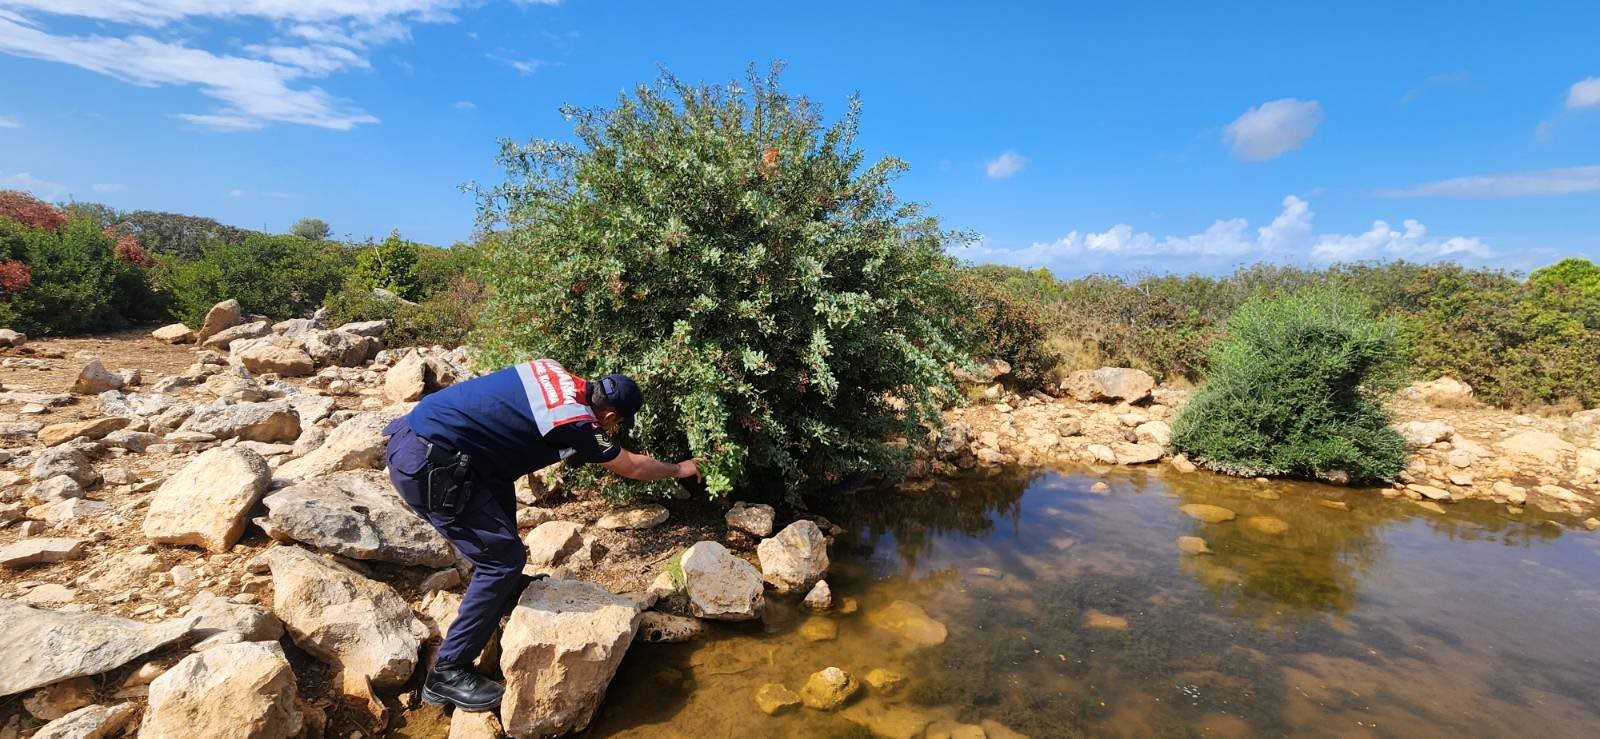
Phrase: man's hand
(689, 468)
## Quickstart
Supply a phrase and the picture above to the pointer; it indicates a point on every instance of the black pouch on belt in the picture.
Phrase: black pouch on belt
(449, 481)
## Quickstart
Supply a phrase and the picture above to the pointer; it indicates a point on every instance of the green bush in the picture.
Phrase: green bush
(444, 318)
(995, 323)
(390, 264)
(74, 281)
(779, 305)
(1297, 389)
(276, 276)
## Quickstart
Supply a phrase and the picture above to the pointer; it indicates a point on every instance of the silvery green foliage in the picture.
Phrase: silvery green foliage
(779, 306)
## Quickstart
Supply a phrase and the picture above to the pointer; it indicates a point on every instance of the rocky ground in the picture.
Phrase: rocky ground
(197, 538)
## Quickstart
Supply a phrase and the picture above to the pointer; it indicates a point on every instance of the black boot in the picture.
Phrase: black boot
(467, 690)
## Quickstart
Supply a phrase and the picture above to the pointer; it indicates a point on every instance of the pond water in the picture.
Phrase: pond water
(1070, 611)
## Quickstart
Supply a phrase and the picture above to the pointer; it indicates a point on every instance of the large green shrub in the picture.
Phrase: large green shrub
(995, 323)
(64, 276)
(276, 276)
(390, 264)
(1297, 389)
(778, 304)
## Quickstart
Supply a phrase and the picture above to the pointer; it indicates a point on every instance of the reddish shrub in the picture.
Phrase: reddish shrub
(128, 249)
(14, 277)
(30, 211)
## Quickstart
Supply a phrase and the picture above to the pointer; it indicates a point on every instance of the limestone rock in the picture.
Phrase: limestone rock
(174, 333)
(794, 559)
(1425, 433)
(1138, 453)
(373, 329)
(1541, 447)
(273, 422)
(656, 627)
(908, 621)
(59, 699)
(40, 550)
(60, 433)
(356, 444)
(721, 586)
(774, 698)
(90, 722)
(1585, 423)
(286, 361)
(133, 441)
(141, 405)
(360, 626)
(58, 488)
(205, 504)
(225, 622)
(356, 514)
(1445, 392)
(1207, 512)
(885, 681)
(818, 628)
(234, 690)
(12, 338)
(1269, 525)
(1428, 491)
(94, 379)
(756, 519)
(479, 725)
(890, 721)
(1193, 545)
(642, 517)
(1109, 385)
(828, 689)
(549, 544)
(337, 348)
(409, 379)
(66, 460)
(223, 315)
(223, 340)
(1158, 433)
(559, 651)
(820, 597)
(50, 646)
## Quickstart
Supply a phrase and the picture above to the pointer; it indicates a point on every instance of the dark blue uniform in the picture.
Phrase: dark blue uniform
(491, 419)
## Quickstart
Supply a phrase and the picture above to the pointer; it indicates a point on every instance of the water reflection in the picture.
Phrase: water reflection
(1072, 612)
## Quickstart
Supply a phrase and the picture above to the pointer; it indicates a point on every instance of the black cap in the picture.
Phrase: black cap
(621, 393)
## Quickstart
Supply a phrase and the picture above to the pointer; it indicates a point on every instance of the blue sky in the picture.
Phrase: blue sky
(1167, 137)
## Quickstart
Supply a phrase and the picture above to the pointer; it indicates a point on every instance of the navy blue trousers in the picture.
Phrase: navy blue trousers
(485, 533)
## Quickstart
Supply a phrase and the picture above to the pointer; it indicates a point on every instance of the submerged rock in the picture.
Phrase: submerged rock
(888, 721)
(561, 647)
(1207, 512)
(1269, 525)
(885, 681)
(774, 698)
(828, 689)
(1193, 545)
(908, 621)
(656, 627)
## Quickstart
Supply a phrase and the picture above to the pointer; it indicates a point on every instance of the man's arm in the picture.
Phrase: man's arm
(642, 467)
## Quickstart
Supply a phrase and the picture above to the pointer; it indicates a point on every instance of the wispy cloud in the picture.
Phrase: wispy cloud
(1005, 165)
(463, 105)
(1506, 185)
(42, 189)
(1435, 82)
(1290, 235)
(1584, 93)
(257, 84)
(10, 121)
(104, 187)
(523, 66)
(1272, 129)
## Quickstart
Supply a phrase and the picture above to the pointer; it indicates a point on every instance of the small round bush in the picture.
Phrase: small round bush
(1297, 389)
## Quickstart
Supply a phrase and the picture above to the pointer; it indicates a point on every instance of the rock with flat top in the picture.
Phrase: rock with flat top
(549, 544)
(1419, 434)
(273, 422)
(45, 646)
(755, 519)
(223, 340)
(1207, 512)
(94, 379)
(1109, 385)
(721, 586)
(283, 360)
(908, 621)
(373, 329)
(642, 517)
(206, 503)
(174, 333)
(1445, 392)
(90, 722)
(559, 651)
(355, 444)
(356, 514)
(61, 433)
(1541, 447)
(795, 559)
(40, 550)
(10, 338)
(224, 622)
(234, 690)
(774, 698)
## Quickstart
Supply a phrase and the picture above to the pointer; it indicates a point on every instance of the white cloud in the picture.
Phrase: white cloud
(1005, 165)
(1507, 185)
(1288, 236)
(463, 105)
(235, 193)
(523, 66)
(108, 187)
(257, 84)
(10, 121)
(1272, 129)
(42, 189)
(1584, 93)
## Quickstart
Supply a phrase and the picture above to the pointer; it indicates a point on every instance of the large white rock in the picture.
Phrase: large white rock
(284, 360)
(236, 690)
(756, 519)
(721, 586)
(44, 646)
(206, 503)
(337, 348)
(61, 433)
(1445, 392)
(94, 379)
(40, 550)
(274, 422)
(409, 379)
(225, 622)
(356, 514)
(223, 340)
(90, 722)
(360, 626)
(173, 333)
(560, 649)
(1541, 447)
(356, 444)
(223, 315)
(550, 543)
(795, 559)
(1425, 433)
(1109, 385)
(66, 460)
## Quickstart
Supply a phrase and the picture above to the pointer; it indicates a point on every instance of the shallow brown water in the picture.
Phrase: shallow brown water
(1072, 613)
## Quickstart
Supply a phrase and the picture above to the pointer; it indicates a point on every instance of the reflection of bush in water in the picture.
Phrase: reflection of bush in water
(967, 505)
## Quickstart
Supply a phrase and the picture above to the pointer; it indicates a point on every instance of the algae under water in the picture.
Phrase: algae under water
(1071, 611)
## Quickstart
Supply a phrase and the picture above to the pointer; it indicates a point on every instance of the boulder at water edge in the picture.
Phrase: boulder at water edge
(559, 651)
(1109, 385)
(45, 646)
(234, 690)
(360, 626)
(795, 559)
(756, 519)
(355, 514)
(205, 504)
(721, 586)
